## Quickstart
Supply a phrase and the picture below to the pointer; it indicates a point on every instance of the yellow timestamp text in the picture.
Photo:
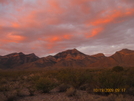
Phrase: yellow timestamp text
(110, 90)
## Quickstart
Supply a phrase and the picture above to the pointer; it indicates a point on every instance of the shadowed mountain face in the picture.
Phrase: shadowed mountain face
(16, 59)
(70, 54)
(73, 58)
(123, 58)
(69, 58)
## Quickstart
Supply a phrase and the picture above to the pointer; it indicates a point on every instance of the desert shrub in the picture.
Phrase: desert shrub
(19, 92)
(117, 68)
(111, 97)
(74, 77)
(130, 79)
(33, 78)
(11, 98)
(84, 87)
(4, 88)
(71, 92)
(31, 90)
(3, 81)
(130, 91)
(63, 87)
(45, 84)
(110, 79)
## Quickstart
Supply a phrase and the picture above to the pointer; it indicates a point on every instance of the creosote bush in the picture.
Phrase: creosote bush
(117, 68)
(45, 84)
(71, 92)
(110, 80)
(63, 87)
(74, 77)
(31, 90)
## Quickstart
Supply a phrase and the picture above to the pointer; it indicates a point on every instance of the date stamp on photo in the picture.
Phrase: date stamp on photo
(109, 90)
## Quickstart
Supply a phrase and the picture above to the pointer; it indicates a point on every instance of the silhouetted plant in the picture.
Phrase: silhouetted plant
(117, 68)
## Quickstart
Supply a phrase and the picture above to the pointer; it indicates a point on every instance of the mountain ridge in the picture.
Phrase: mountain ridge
(68, 58)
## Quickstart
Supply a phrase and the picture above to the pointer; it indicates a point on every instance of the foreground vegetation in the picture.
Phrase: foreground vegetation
(117, 81)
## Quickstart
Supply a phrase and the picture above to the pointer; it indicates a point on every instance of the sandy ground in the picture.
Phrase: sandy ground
(80, 96)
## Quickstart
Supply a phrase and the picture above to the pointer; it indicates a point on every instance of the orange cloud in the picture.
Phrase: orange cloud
(82, 5)
(30, 20)
(85, 9)
(59, 38)
(51, 21)
(15, 25)
(67, 36)
(53, 40)
(77, 2)
(55, 7)
(15, 37)
(11, 37)
(94, 32)
(115, 14)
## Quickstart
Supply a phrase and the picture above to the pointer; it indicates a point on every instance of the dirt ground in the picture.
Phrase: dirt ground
(56, 96)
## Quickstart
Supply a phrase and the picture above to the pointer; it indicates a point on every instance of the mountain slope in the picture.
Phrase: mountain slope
(73, 58)
(123, 58)
(69, 58)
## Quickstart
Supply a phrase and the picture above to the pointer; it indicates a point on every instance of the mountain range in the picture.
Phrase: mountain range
(69, 58)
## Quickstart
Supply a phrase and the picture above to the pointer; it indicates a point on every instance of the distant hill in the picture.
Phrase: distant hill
(69, 58)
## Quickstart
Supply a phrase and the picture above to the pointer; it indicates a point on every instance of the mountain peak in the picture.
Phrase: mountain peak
(72, 53)
(99, 55)
(15, 54)
(15, 59)
(75, 50)
(125, 51)
(32, 55)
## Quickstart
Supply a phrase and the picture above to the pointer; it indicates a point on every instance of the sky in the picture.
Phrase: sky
(46, 27)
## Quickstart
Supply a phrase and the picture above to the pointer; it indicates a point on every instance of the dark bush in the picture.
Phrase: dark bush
(110, 80)
(45, 84)
(117, 68)
(71, 92)
(63, 87)
(75, 78)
